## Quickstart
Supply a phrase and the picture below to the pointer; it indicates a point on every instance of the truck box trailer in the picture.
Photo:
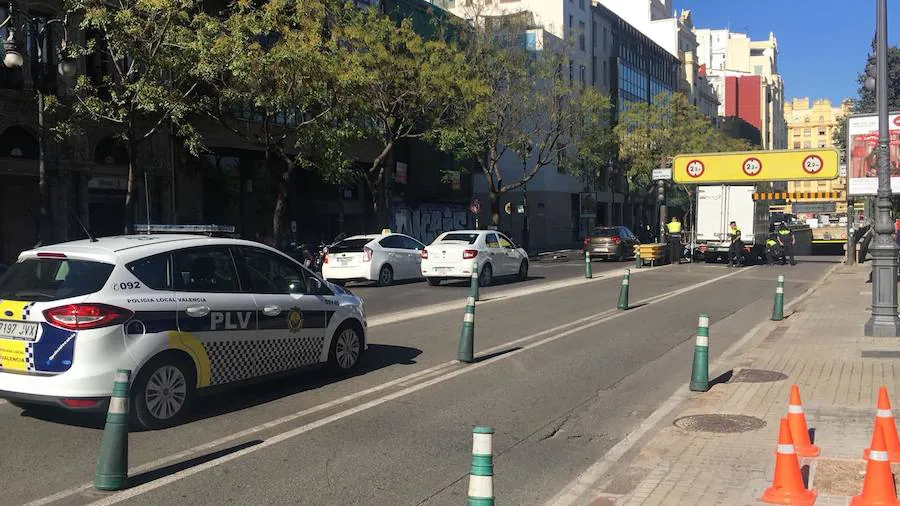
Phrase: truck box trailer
(719, 205)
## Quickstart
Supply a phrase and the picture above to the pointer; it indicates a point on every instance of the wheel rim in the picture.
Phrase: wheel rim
(385, 275)
(346, 349)
(166, 392)
(486, 275)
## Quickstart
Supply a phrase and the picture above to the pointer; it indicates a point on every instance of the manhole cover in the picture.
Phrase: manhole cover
(720, 424)
(757, 376)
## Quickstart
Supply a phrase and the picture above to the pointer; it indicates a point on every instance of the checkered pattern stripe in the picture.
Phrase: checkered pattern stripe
(239, 360)
(26, 311)
(29, 357)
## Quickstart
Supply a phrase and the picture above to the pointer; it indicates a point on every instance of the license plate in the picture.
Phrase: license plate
(601, 250)
(23, 331)
(442, 269)
(344, 261)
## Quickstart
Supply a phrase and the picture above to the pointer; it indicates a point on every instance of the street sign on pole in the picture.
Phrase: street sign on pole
(663, 174)
(756, 166)
(475, 206)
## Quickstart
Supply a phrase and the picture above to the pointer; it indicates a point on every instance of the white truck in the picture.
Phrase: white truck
(719, 205)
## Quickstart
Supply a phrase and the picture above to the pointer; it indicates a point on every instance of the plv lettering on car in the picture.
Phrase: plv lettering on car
(229, 320)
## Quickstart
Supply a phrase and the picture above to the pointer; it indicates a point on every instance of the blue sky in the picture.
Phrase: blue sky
(822, 44)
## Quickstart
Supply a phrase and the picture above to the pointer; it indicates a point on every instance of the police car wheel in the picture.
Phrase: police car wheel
(523, 271)
(487, 275)
(385, 275)
(346, 349)
(163, 392)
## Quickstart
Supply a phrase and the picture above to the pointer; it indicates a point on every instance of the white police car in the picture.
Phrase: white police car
(183, 312)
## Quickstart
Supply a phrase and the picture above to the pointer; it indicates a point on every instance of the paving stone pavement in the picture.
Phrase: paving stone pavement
(821, 347)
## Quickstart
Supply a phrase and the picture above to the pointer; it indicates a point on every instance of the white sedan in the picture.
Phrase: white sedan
(381, 258)
(452, 255)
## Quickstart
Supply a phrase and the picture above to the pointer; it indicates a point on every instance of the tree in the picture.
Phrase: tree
(530, 111)
(149, 82)
(405, 86)
(865, 101)
(273, 77)
(651, 134)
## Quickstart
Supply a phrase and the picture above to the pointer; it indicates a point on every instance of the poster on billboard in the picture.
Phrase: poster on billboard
(862, 141)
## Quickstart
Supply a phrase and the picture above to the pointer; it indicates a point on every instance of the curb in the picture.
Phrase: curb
(593, 474)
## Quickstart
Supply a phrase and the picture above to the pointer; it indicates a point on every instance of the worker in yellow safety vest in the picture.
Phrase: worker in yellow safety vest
(674, 230)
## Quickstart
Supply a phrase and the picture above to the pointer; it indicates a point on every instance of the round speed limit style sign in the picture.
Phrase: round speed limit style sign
(695, 168)
(752, 166)
(812, 164)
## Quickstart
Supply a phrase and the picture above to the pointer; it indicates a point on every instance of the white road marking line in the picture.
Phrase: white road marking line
(402, 381)
(161, 482)
(573, 491)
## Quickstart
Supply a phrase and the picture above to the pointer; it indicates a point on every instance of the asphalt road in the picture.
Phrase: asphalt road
(561, 375)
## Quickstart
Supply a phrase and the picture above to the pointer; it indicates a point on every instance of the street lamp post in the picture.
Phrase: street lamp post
(13, 58)
(884, 321)
(526, 152)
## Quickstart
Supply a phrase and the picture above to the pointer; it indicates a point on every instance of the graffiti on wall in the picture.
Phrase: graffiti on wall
(427, 221)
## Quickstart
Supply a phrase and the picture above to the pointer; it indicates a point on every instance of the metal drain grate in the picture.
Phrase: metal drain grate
(719, 424)
(757, 376)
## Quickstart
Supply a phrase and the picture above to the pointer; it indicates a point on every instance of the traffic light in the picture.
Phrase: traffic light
(871, 73)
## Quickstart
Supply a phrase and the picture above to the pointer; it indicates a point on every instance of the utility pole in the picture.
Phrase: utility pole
(884, 321)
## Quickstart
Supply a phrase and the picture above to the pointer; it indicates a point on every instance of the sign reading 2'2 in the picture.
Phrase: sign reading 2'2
(812, 164)
(695, 168)
(752, 166)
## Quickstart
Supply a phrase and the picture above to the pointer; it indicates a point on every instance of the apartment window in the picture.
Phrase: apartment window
(593, 71)
(605, 40)
(581, 35)
(571, 21)
(796, 144)
(757, 70)
(796, 133)
(571, 71)
(593, 33)
(822, 144)
(806, 132)
(806, 145)
(581, 4)
(583, 73)
(821, 131)
(603, 75)
(821, 119)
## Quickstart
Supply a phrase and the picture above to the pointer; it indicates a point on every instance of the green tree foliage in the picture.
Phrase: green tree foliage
(531, 110)
(274, 76)
(149, 83)
(865, 101)
(404, 85)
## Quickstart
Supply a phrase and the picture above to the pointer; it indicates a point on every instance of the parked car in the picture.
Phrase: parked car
(452, 255)
(612, 243)
(382, 258)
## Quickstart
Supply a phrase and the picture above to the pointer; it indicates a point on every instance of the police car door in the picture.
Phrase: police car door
(292, 322)
(216, 311)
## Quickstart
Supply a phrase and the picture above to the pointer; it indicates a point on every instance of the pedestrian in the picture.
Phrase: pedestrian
(736, 249)
(787, 240)
(773, 251)
(674, 230)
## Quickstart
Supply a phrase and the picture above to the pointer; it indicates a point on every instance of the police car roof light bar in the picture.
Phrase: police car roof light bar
(184, 229)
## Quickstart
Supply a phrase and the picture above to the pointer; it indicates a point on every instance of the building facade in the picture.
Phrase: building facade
(812, 126)
(744, 75)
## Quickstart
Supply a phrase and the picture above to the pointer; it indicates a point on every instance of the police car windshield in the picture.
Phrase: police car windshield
(40, 279)
(350, 246)
(467, 238)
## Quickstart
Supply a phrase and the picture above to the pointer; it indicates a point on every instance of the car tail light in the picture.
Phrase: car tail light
(80, 403)
(470, 254)
(367, 254)
(616, 239)
(86, 316)
(587, 241)
(325, 259)
(746, 249)
(424, 254)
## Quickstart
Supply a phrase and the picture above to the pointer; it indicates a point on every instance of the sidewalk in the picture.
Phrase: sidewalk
(730, 460)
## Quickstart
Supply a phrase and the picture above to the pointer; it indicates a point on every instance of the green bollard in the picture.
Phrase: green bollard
(465, 352)
(481, 477)
(623, 291)
(700, 367)
(112, 465)
(587, 265)
(473, 285)
(778, 308)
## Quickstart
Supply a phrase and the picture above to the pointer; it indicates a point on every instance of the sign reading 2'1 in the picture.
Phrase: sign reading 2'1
(752, 166)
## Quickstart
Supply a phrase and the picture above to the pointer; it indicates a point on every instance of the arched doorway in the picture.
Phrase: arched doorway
(18, 192)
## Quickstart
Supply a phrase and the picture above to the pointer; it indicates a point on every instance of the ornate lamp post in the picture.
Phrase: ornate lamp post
(13, 57)
(884, 321)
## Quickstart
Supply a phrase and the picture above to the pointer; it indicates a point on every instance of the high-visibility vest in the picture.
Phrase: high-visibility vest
(783, 231)
(771, 242)
(674, 227)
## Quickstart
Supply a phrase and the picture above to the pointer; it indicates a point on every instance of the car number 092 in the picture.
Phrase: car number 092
(126, 285)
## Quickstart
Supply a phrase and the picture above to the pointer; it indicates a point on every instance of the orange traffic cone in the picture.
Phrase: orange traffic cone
(885, 419)
(787, 487)
(878, 488)
(797, 422)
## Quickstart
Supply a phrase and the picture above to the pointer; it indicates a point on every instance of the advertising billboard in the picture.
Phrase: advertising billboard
(862, 140)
